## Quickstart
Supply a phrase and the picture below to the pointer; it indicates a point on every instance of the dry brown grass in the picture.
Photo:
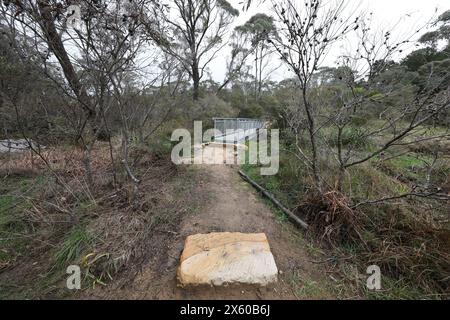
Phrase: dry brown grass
(127, 226)
(330, 215)
(407, 243)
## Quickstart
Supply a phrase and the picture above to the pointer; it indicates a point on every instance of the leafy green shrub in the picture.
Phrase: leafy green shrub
(350, 137)
(161, 147)
(359, 90)
(359, 121)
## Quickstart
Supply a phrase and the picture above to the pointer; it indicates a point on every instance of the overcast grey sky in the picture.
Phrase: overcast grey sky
(386, 13)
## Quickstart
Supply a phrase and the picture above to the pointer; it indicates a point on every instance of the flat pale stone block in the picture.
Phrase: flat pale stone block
(226, 258)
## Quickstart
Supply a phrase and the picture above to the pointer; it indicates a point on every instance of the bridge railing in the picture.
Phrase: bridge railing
(236, 129)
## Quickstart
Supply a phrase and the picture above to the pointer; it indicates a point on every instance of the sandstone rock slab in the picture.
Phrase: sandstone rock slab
(227, 258)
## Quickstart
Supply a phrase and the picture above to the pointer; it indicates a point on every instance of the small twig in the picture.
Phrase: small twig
(434, 195)
(331, 259)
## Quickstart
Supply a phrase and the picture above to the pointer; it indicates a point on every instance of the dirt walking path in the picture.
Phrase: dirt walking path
(232, 205)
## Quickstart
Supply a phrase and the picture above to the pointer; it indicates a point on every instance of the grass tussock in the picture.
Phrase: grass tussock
(74, 244)
(330, 215)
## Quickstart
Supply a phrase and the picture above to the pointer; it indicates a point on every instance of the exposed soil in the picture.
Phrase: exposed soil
(228, 204)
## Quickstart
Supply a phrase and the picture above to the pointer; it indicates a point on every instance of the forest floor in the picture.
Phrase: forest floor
(128, 241)
(229, 205)
(148, 229)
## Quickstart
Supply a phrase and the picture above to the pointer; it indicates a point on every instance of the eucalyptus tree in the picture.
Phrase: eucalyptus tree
(198, 32)
(237, 60)
(442, 33)
(92, 55)
(257, 31)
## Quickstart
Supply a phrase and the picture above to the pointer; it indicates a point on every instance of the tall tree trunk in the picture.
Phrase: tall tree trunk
(312, 138)
(341, 174)
(260, 73)
(256, 73)
(56, 45)
(196, 80)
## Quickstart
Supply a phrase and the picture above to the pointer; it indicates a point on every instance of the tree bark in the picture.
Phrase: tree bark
(312, 138)
(57, 47)
(196, 81)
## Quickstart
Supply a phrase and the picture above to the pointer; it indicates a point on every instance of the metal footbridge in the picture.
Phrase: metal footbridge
(236, 130)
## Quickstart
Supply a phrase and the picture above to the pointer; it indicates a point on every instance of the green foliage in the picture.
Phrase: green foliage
(430, 37)
(306, 288)
(445, 17)
(161, 147)
(367, 182)
(407, 161)
(435, 75)
(208, 107)
(287, 184)
(225, 5)
(259, 27)
(393, 289)
(420, 57)
(359, 121)
(10, 227)
(73, 246)
(12, 223)
(442, 33)
(360, 90)
(253, 110)
(6, 204)
(351, 137)
(342, 75)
